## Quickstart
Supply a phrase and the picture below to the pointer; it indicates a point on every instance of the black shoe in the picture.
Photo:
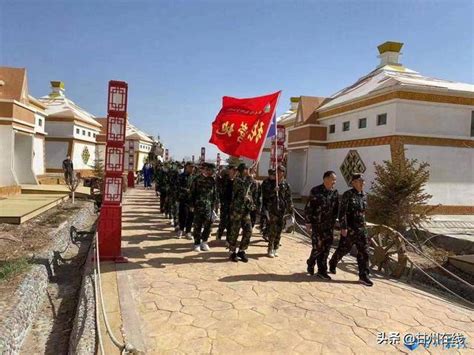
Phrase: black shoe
(310, 268)
(365, 281)
(323, 275)
(242, 256)
(332, 270)
(234, 257)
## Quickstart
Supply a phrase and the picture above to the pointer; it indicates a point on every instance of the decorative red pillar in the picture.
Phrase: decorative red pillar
(131, 164)
(167, 154)
(110, 219)
(278, 150)
(218, 160)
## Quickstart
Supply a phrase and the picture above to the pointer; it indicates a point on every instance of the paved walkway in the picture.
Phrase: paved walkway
(176, 301)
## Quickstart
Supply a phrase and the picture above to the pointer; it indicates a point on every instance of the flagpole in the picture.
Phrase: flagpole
(266, 133)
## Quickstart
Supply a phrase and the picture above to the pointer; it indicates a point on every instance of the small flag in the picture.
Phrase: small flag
(272, 129)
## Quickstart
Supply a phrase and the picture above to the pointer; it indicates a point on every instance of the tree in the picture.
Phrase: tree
(98, 170)
(397, 198)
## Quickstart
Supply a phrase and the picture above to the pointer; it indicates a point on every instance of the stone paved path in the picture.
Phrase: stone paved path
(201, 303)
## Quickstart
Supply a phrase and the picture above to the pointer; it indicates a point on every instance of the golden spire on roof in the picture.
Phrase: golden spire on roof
(390, 46)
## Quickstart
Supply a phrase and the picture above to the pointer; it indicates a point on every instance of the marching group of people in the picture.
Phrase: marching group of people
(191, 196)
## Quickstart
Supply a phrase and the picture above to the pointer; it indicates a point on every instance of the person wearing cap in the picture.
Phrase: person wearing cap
(202, 202)
(225, 199)
(185, 216)
(279, 205)
(320, 217)
(243, 193)
(353, 229)
(267, 185)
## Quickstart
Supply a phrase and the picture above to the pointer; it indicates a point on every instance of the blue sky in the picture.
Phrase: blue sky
(180, 57)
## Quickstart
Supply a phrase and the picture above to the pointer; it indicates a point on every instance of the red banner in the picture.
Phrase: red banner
(241, 126)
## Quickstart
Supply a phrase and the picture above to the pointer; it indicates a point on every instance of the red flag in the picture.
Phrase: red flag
(241, 126)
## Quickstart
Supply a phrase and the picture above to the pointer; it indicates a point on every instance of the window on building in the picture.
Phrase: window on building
(89, 133)
(332, 128)
(472, 124)
(78, 131)
(381, 119)
(40, 122)
(83, 132)
(346, 126)
(362, 122)
(94, 135)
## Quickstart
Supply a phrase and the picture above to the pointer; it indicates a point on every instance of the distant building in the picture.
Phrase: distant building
(71, 131)
(391, 113)
(22, 130)
(142, 144)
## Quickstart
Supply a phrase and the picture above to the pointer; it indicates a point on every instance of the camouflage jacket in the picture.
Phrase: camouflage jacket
(203, 194)
(352, 211)
(173, 175)
(225, 190)
(277, 206)
(161, 179)
(184, 187)
(322, 207)
(244, 195)
(266, 186)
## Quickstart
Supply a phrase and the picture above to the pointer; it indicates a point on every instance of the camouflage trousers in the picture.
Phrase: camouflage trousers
(224, 220)
(162, 201)
(361, 241)
(274, 229)
(238, 221)
(321, 240)
(185, 217)
(171, 209)
(202, 223)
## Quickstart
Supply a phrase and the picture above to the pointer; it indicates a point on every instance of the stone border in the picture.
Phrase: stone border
(28, 297)
(84, 332)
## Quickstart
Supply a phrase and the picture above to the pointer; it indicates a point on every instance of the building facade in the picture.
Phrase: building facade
(22, 131)
(71, 131)
(391, 113)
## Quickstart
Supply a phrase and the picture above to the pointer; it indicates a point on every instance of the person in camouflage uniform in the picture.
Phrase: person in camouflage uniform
(225, 199)
(243, 193)
(185, 216)
(278, 205)
(320, 217)
(172, 194)
(203, 201)
(257, 197)
(265, 187)
(353, 229)
(161, 185)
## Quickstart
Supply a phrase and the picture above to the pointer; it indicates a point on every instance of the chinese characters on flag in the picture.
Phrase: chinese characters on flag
(241, 127)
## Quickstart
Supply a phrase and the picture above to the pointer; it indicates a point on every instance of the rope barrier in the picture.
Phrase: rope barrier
(124, 347)
(419, 252)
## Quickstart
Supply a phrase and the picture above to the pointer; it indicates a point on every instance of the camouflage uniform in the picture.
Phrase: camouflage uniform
(321, 212)
(352, 218)
(172, 195)
(185, 216)
(258, 204)
(277, 209)
(203, 200)
(225, 198)
(243, 193)
(161, 181)
(266, 186)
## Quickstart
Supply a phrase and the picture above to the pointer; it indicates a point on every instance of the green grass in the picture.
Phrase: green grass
(8, 269)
